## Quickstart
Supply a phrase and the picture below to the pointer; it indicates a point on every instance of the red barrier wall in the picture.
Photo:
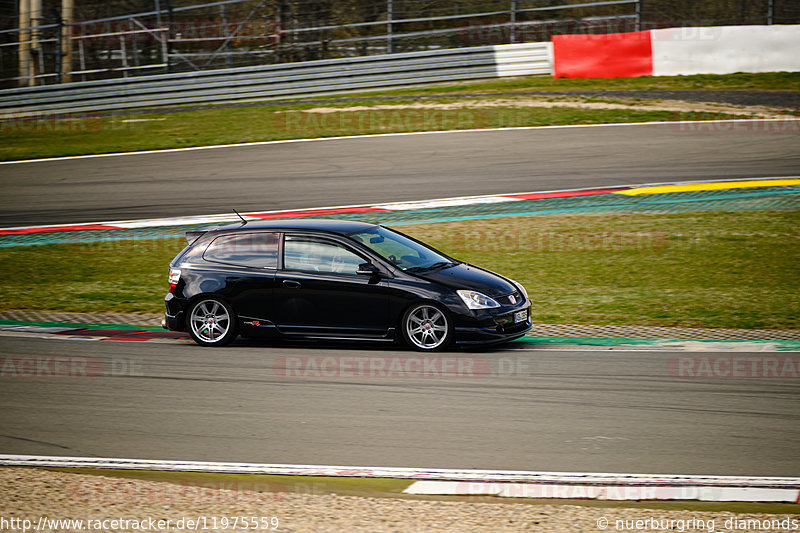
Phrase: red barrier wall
(612, 55)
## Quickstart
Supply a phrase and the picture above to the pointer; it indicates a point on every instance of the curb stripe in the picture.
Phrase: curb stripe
(631, 190)
(603, 492)
(520, 476)
(662, 189)
(565, 194)
(54, 229)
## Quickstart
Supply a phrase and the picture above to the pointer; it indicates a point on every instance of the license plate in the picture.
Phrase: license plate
(521, 316)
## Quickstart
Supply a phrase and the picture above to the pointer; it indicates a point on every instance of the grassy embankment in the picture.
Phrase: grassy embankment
(46, 136)
(705, 269)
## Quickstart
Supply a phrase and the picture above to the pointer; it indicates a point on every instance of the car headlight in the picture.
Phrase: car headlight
(476, 300)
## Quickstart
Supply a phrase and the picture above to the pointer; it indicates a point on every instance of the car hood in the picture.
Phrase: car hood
(464, 276)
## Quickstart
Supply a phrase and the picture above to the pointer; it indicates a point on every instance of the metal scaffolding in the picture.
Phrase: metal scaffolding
(93, 41)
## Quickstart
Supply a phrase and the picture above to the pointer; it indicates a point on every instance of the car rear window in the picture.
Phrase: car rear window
(259, 250)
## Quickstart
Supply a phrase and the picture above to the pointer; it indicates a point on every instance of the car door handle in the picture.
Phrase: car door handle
(291, 284)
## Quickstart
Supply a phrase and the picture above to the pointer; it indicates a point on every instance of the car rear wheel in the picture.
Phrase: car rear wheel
(212, 322)
(426, 328)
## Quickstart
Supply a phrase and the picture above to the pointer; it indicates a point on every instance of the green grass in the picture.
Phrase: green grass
(270, 123)
(44, 136)
(121, 276)
(704, 270)
(770, 81)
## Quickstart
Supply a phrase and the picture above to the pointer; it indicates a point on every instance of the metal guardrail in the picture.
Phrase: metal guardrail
(195, 35)
(280, 81)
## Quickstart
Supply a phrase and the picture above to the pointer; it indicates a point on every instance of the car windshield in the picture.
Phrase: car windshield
(400, 250)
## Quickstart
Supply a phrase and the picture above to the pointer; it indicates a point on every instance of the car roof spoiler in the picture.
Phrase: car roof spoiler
(193, 235)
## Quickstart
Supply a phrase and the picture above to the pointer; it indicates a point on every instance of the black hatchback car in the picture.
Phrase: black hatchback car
(336, 279)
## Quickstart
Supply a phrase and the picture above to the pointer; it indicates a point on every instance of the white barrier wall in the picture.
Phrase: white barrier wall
(726, 49)
(524, 59)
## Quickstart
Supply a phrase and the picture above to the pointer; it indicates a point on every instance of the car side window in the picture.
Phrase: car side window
(307, 254)
(259, 250)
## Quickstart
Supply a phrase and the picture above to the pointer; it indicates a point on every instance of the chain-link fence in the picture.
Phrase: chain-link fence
(54, 41)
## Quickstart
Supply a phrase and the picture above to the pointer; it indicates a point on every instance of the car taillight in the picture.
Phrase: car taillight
(174, 277)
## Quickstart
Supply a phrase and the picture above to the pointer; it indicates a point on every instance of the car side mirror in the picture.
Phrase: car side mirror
(367, 269)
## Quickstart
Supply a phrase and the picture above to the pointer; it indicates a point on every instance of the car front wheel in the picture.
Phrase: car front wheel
(426, 328)
(212, 322)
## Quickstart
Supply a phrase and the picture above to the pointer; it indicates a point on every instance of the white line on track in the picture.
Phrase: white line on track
(400, 472)
(369, 136)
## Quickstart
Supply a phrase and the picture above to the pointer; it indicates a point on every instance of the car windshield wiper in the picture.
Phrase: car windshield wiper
(440, 264)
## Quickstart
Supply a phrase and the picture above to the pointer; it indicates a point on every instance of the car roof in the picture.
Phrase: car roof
(342, 227)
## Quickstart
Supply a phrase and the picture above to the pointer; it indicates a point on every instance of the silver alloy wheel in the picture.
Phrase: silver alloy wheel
(426, 327)
(210, 321)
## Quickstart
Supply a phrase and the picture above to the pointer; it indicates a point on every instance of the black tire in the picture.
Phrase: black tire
(426, 327)
(211, 322)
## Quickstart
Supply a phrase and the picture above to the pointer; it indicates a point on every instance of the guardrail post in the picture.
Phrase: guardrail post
(639, 15)
(82, 58)
(512, 20)
(389, 10)
(135, 42)
(158, 13)
(228, 57)
(37, 57)
(165, 36)
(25, 60)
(284, 22)
(67, 8)
(168, 36)
(59, 51)
(124, 52)
(771, 12)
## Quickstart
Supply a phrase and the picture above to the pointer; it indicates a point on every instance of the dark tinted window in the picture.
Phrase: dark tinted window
(246, 249)
(301, 253)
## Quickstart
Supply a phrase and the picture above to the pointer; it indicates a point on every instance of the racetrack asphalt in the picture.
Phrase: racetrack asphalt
(298, 175)
(519, 408)
(614, 411)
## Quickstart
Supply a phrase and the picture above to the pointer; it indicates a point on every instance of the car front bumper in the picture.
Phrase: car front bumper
(492, 326)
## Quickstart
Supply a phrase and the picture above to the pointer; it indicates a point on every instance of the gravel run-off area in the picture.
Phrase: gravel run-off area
(137, 505)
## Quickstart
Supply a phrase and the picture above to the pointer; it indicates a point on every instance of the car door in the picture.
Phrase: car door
(317, 291)
(248, 261)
